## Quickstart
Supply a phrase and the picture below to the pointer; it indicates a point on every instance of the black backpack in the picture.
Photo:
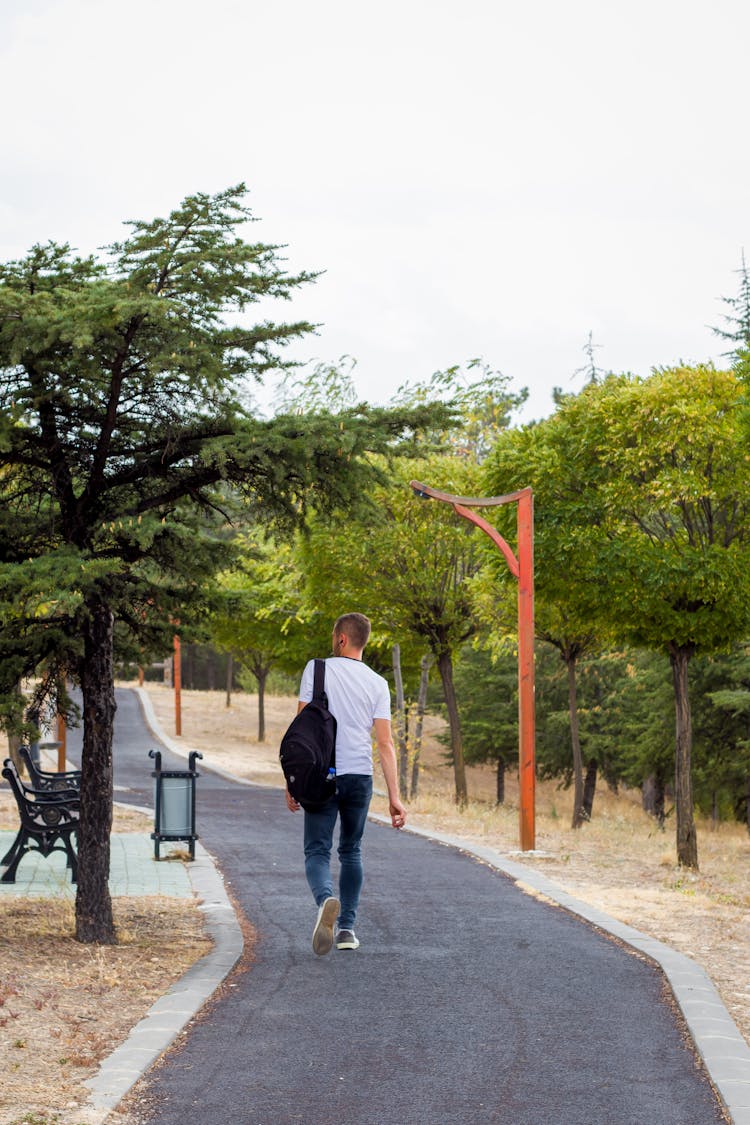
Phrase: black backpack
(308, 749)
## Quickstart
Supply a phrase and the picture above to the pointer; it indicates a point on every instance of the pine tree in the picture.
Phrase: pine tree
(125, 447)
(738, 319)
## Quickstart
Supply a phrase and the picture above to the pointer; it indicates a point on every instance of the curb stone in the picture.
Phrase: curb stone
(717, 1038)
(168, 1016)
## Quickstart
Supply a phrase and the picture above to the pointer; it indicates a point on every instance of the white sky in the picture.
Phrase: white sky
(480, 178)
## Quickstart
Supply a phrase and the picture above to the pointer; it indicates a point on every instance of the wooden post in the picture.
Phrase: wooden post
(526, 709)
(177, 678)
(61, 736)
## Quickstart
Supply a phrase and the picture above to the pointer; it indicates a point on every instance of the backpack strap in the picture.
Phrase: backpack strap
(319, 683)
(319, 694)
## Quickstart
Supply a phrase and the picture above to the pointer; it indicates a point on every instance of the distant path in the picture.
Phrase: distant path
(469, 1001)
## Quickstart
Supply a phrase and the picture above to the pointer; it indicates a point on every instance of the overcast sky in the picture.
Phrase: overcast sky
(477, 179)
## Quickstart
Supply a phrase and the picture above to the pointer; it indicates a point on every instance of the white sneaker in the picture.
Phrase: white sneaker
(322, 939)
(347, 939)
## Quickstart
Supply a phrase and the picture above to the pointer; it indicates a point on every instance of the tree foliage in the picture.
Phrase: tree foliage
(669, 512)
(260, 616)
(125, 448)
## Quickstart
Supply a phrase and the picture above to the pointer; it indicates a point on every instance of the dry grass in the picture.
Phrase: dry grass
(65, 1006)
(620, 862)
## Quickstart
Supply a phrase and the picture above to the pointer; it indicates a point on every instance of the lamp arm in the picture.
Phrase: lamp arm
(494, 535)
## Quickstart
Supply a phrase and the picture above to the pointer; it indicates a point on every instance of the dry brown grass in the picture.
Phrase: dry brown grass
(78, 1002)
(65, 1006)
(620, 862)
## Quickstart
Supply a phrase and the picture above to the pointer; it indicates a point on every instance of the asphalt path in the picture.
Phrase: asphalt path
(468, 1001)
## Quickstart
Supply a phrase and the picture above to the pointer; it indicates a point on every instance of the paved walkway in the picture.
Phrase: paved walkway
(132, 871)
(469, 1000)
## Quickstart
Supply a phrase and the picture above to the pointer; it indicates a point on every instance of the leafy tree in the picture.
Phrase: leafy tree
(721, 687)
(671, 520)
(124, 445)
(327, 388)
(487, 688)
(567, 586)
(412, 560)
(260, 617)
(410, 565)
(482, 399)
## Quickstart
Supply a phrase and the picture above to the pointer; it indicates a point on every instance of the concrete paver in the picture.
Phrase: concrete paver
(133, 871)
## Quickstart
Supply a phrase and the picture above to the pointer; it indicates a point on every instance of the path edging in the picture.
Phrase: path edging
(717, 1038)
(167, 1017)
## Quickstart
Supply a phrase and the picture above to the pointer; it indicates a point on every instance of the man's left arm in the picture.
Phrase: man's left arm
(387, 753)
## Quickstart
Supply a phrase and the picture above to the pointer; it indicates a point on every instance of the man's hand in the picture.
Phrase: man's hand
(291, 804)
(398, 814)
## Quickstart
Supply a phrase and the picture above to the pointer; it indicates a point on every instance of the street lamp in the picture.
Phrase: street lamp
(522, 568)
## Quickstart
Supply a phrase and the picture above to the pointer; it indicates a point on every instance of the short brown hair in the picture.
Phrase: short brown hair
(356, 626)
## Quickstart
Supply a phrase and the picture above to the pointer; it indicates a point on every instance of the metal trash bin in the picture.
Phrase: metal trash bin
(174, 803)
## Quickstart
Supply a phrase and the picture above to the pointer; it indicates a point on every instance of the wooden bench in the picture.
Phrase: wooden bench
(49, 819)
(47, 779)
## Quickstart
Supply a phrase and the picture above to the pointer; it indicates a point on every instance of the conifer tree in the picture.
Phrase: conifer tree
(124, 444)
(737, 320)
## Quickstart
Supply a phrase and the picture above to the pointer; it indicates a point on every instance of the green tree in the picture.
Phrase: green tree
(721, 688)
(566, 582)
(482, 399)
(670, 519)
(124, 443)
(737, 320)
(411, 560)
(260, 617)
(487, 689)
(410, 564)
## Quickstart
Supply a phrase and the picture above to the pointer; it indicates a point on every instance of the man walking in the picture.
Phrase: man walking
(359, 699)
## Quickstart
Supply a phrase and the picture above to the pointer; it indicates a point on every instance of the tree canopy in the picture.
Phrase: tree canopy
(126, 448)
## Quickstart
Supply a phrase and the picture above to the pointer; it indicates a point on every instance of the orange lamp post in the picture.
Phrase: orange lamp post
(177, 678)
(62, 743)
(522, 568)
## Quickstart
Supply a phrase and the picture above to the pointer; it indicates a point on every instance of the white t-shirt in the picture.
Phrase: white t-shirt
(357, 696)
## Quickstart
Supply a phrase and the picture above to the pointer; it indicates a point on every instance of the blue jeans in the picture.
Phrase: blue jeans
(349, 805)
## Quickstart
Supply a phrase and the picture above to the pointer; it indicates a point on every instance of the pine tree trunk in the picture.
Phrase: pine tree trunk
(579, 815)
(445, 668)
(589, 787)
(94, 921)
(419, 724)
(687, 841)
(500, 790)
(659, 799)
(230, 673)
(652, 797)
(14, 741)
(261, 676)
(401, 747)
